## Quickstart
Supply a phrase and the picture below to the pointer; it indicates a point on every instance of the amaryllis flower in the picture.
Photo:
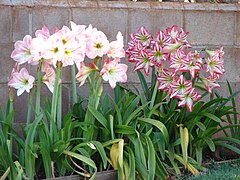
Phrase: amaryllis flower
(38, 47)
(143, 36)
(165, 78)
(54, 49)
(188, 98)
(49, 78)
(156, 55)
(97, 45)
(74, 52)
(177, 60)
(210, 83)
(135, 51)
(172, 32)
(215, 63)
(43, 33)
(144, 62)
(22, 53)
(172, 47)
(116, 47)
(84, 72)
(192, 64)
(162, 38)
(114, 72)
(77, 29)
(21, 81)
(180, 86)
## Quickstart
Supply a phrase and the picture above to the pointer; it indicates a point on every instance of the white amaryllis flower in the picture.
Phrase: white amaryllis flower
(97, 45)
(116, 47)
(114, 72)
(21, 81)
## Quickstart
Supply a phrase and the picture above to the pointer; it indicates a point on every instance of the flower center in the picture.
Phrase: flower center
(55, 50)
(68, 52)
(98, 46)
(25, 82)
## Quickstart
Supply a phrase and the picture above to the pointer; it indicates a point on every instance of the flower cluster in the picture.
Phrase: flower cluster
(67, 47)
(178, 68)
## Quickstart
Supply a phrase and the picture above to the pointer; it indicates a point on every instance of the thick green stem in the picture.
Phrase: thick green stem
(59, 105)
(74, 86)
(55, 97)
(29, 112)
(38, 93)
(154, 95)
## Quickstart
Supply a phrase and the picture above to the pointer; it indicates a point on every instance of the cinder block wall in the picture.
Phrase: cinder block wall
(210, 25)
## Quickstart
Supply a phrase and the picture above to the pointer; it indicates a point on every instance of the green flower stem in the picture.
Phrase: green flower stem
(29, 112)
(38, 93)
(74, 86)
(59, 105)
(94, 98)
(154, 95)
(55, 97)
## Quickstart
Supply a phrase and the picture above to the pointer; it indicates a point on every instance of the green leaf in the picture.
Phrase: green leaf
(131, 159)
(101, 151)
(124, 129)
(84, 159)
(231, 147)
(151, 158)
(211, 116)
(210, 143)
(101, 119)
(158, 125)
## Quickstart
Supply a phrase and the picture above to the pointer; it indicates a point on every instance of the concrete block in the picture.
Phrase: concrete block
(153, 20)
(238, 29)
(6, 63)
(231, 64)
(4, 90)
(56, 3)
(22, 2)
(5, 2)
(20, 24)
(5, 24)
(110, 21)
(80, 3)
(209, 28)
(50, 17)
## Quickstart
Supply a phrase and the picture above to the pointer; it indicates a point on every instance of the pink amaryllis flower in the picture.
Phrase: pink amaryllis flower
(84, 72)
(172, 32)
(21, 81)
(43, 33)
(157, 55)
(187, 99)
(22, 53)
(97, 45)
(49, 78)
(114, 72)
(74, 52)
(165, 78)
(180, 86)
(116, 48)
(38, 47)
(54, 49)
(177, 60)
(215, 63)
(192, 64)
(143, 36)
(162, 38)
(210, 83)
(144, 62)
